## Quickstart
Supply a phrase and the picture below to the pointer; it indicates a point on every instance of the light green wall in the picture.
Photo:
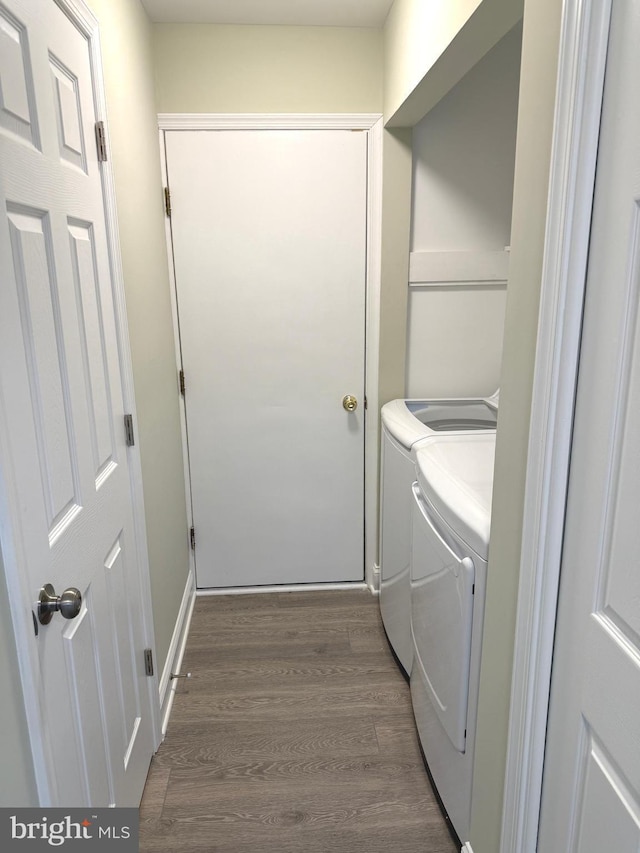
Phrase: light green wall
(125, 34)
(533, 155)
(211, 68)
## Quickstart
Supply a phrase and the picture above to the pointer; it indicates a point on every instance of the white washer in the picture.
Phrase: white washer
(405, 424)
(449, 551)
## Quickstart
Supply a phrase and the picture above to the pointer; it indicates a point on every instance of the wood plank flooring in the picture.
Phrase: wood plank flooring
(294, 735)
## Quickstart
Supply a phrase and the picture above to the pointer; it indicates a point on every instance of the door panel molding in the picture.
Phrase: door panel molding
(372, 124)
(12, 551)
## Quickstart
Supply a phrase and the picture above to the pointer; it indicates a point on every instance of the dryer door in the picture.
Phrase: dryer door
(442, 586)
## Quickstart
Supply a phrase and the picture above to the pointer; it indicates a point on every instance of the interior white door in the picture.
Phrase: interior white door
(591, 784)
(65, 494)
(269, 240)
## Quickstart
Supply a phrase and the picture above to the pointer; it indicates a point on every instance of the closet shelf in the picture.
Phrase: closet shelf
(433, 269)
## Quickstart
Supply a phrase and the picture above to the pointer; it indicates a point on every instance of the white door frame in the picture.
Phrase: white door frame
(17, 584)
(582, 58)
(313, 121)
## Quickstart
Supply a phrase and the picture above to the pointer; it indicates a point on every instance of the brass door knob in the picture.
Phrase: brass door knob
(349, 403)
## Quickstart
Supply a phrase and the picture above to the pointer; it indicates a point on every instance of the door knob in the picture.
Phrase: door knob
(49, 603)
(349, 403)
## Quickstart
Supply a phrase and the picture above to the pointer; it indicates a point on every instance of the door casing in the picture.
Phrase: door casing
(580, 87)
(17, 584)
(372, 123)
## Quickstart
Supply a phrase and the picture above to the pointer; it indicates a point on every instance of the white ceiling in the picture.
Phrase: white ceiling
(328, 13)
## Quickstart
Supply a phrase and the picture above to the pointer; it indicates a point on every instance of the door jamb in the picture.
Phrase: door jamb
(17, 586)
(372, 123)
(580, 87)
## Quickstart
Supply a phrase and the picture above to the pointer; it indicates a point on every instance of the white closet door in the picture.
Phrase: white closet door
(269, 238)
(66, 511)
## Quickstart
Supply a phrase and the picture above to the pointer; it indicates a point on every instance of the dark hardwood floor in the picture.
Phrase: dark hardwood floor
(294, 735)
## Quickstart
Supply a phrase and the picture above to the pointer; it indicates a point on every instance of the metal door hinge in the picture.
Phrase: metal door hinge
(181, 380)
(128, 430)
(192, 538)
(101, 142)
(365, 403)
(148, 661)
(167, 202)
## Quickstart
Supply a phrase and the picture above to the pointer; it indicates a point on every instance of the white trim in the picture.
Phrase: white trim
(374, 585)
(178, 354)
(466, 848)
(372, 352)
(267, 121)
(460, 283)
(582, 59)
(296, 587)
(329, 121)
(173, 662)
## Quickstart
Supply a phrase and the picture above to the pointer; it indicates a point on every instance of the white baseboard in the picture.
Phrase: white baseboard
(466, 848)
(176, 652)
(298, 587)
(374, 580)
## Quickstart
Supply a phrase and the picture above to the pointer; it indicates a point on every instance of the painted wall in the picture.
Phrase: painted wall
(224, 68)
(429, 47)
(533, 155)
(416, 35)
(127, 60)
(396, 223)
(463, 161)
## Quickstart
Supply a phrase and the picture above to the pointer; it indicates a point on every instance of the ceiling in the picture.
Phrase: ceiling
(327, 13)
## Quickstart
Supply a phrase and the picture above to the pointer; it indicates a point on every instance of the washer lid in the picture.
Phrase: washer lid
(409, 421)
(455, 473)
(402, 424)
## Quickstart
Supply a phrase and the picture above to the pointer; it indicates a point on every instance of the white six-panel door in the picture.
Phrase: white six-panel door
(65, 491)
(269, 242)
(591, 787)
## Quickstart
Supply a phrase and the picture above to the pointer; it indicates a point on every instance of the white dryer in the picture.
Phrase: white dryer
(405, 425)
(449, 551)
